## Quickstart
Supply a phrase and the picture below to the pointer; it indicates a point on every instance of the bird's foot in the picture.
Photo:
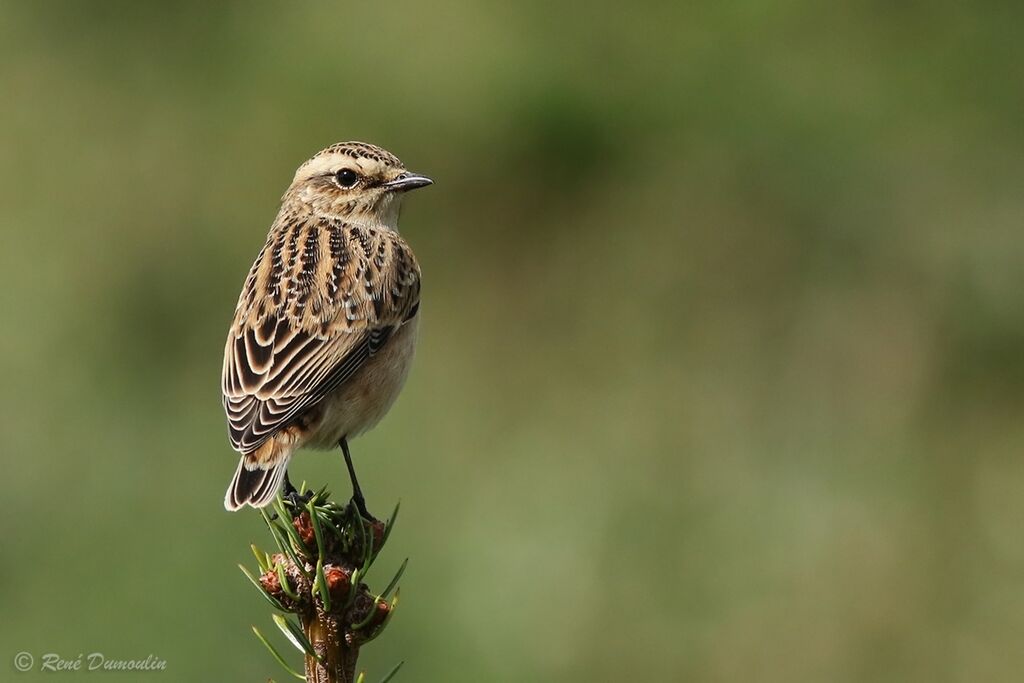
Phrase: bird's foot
(292, 497)
(359, 504)
(296, 500)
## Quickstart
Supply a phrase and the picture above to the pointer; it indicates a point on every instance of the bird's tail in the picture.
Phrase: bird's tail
(254, 483)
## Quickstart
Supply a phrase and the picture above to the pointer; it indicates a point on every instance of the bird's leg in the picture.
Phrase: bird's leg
(357, 493)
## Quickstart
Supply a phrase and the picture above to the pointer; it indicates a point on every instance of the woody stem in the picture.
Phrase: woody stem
(337, 658)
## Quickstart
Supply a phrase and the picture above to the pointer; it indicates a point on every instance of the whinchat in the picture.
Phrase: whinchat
(325, 327)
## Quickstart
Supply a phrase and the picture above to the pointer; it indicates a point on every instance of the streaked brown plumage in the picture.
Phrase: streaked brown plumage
(324, 329)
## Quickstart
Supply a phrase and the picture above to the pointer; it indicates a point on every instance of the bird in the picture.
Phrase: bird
(324, 331)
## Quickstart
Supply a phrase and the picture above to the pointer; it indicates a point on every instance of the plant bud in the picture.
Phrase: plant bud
(339, 581)
(304, 525)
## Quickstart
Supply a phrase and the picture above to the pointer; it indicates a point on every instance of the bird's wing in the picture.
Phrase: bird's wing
(321, 298)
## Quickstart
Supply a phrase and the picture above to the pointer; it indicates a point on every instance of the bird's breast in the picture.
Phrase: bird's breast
(360, 403)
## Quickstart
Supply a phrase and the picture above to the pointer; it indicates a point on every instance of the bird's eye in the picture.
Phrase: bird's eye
(346, 177)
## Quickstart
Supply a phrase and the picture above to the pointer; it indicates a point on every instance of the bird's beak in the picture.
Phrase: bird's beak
(408, 181)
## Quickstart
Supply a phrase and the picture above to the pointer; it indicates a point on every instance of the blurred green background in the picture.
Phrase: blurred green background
(721, 370)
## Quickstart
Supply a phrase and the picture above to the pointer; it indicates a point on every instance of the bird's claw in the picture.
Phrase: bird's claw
(297, 500)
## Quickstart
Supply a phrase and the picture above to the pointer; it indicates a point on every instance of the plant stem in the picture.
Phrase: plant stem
(325, 551)
(337, 659)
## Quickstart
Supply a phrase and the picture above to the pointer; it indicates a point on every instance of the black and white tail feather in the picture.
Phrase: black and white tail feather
(254, 485)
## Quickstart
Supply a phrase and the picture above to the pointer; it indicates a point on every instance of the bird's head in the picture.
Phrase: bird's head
(356, 182)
